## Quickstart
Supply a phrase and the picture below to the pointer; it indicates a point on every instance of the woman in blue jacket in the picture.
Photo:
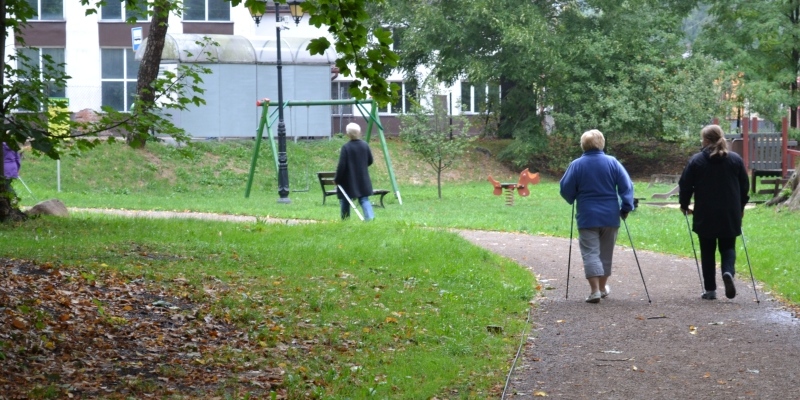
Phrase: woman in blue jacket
(718, 180)
(597, 181)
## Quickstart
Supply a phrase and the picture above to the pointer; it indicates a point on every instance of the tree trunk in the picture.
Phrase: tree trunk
(439, 178)
(789, 196)
(148, 69)
(793, 203)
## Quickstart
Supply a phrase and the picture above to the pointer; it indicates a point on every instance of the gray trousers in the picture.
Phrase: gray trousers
(597, 249)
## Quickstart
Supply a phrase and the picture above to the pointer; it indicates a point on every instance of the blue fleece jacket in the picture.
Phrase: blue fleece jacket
(598, 182)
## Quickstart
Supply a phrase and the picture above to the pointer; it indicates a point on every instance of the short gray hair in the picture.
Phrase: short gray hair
(593, 140)
(353, 131)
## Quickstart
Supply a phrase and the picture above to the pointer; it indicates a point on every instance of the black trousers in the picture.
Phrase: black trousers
(727, 252)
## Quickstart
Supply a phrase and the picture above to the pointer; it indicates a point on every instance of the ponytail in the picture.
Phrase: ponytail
(717, 143)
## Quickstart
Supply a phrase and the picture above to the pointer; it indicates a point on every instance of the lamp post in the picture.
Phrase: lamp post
(283, 168)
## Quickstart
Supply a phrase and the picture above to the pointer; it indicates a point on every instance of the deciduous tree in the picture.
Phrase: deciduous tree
(439, 138)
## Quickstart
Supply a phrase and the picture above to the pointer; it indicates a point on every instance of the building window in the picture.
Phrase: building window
(35, 61)
(479, 98)
(403, 104)
(397, 38)
(341, 91)
(118, 78)
(118, 11)
(206, 10)
(47, 10)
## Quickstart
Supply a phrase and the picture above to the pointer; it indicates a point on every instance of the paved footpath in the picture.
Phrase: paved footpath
(677, 347)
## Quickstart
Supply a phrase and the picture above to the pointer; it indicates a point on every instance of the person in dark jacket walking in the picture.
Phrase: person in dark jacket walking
(718, 180)
(352, 173)
(604, 192)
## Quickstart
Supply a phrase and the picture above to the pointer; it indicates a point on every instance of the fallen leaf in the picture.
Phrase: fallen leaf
(539, 393)
(19, 323)
(634, 368)
(559, 321)
(692, 329)
(707, 375)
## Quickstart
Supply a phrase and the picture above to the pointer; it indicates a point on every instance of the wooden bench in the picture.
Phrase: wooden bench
(329, 188)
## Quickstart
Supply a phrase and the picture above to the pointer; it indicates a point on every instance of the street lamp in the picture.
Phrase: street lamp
(296, 8)
(283, 168)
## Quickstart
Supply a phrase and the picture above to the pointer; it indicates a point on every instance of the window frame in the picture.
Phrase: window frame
(340, 88)
(40, 51)
(123, 14)
(406, 90)
(488, 89)
(39, 6)
(206, 11)
(126, 79)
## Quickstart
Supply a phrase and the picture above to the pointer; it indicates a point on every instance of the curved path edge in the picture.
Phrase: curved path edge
(678, 346)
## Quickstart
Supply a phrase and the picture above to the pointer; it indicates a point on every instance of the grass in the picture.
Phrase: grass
(386, 289)
(377, 302)
(215, 181)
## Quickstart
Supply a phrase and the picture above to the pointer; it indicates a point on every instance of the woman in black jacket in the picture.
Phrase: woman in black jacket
(718, 180)
(352, 173)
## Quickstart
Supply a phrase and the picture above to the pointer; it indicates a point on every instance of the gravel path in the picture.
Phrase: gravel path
(677, 347)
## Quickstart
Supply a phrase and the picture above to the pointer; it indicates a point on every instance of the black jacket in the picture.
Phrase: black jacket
(719, 186)
(351, 173)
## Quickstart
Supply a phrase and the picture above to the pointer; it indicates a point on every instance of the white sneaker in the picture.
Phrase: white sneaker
(605, 293)
(594, 298)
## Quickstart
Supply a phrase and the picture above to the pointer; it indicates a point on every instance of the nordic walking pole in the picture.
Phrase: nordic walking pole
(350, 201)
(26, 187)
(569, 257)
(637, 260)
(751, 269)
(691, 238)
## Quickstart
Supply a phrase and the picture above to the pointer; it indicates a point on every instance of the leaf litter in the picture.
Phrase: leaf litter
(83, 335)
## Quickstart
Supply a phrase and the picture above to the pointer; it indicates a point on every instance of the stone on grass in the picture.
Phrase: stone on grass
(49, 207)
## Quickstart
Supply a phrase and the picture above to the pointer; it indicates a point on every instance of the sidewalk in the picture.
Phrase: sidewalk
(624, 348)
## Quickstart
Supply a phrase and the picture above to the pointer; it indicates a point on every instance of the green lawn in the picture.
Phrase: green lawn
(405, 299)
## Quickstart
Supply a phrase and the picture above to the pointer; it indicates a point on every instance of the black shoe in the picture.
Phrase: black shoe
(730, 290)
(709, 295)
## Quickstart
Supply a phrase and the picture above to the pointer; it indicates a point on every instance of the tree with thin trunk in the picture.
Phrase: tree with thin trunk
(430, 131)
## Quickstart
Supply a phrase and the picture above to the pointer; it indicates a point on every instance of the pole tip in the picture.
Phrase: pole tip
(262, 101)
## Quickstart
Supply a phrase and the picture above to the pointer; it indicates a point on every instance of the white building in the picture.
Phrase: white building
(97, 50)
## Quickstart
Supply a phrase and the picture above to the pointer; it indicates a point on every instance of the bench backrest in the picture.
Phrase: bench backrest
(326, 179)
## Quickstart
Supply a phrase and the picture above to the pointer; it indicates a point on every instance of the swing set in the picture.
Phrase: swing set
(268, 120)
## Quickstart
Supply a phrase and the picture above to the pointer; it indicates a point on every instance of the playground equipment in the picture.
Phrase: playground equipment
(765, 155)
(267, 120)
(525, 178)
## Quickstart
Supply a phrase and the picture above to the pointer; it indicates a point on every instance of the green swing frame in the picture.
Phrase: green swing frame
(267, 120)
